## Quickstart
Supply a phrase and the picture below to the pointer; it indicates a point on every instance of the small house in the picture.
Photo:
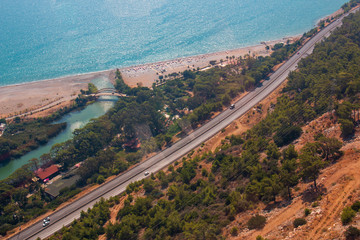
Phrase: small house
(44, 174)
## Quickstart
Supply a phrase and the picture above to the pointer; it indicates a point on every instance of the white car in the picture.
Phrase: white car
(232, 106)
(46, 221)
(146, 173)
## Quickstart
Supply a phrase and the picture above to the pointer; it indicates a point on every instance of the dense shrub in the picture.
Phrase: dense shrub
(315, 204)
(299, 222)
(307, 212)
(234, 231)
(347, 127)
(4, 228)
(100, 179)
(90, 224)
(256, 222)
(347, 215)
(356, 206)
(259, 237)
(352, 233)
(286, 135)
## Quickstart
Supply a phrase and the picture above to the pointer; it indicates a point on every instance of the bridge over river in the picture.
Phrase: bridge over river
(107, 92)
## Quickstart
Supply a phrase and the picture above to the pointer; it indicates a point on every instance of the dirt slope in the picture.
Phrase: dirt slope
(340, 183)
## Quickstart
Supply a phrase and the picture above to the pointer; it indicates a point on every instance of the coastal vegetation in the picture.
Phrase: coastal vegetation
(24, 135)
(151, 117)
(90, 224)
(191, 201)
(20, 138)
(349, 5)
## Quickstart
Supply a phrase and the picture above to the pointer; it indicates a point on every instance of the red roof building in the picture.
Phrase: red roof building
(47, 172)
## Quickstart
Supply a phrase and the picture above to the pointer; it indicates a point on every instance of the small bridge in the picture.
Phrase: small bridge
(107, 92)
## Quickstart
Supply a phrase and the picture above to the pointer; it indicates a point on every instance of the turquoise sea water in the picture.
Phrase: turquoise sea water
(41, 39)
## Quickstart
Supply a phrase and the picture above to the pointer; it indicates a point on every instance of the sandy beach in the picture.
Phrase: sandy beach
(147, 74)
(43, 97)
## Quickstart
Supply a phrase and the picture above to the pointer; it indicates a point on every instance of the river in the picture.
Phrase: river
(74, 121)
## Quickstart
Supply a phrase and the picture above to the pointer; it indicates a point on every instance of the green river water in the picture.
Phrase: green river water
(74, 120)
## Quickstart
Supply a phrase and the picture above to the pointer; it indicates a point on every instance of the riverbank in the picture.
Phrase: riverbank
(43, 97)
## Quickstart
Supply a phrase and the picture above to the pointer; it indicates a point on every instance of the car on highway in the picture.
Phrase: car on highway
(146, 173)
(45, 223)
(232, 106)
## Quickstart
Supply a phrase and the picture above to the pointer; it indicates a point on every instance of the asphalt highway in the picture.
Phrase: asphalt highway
(66, 215)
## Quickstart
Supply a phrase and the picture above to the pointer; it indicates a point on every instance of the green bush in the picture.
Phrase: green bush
(100, 179)
(352, 233)
(164, 183)
(347, 127)
(234, 231)
(204, 172)
(211, 177)
(4, 228)
(307, 212)
(149, 185)
(287, 134)
(277, 46)
(256, 222)
(259, 237)
(299, 222)
(356, 206)
(315, 204)
(347, 215)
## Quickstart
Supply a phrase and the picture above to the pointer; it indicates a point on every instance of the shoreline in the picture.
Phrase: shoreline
(200, 60)
(56, 78)
(149, 63)
(50, 94)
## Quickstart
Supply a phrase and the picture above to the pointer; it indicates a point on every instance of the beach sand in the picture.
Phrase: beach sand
(43, 97)
(146, 74)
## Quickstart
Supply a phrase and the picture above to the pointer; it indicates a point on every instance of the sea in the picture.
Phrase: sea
(44, 39)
